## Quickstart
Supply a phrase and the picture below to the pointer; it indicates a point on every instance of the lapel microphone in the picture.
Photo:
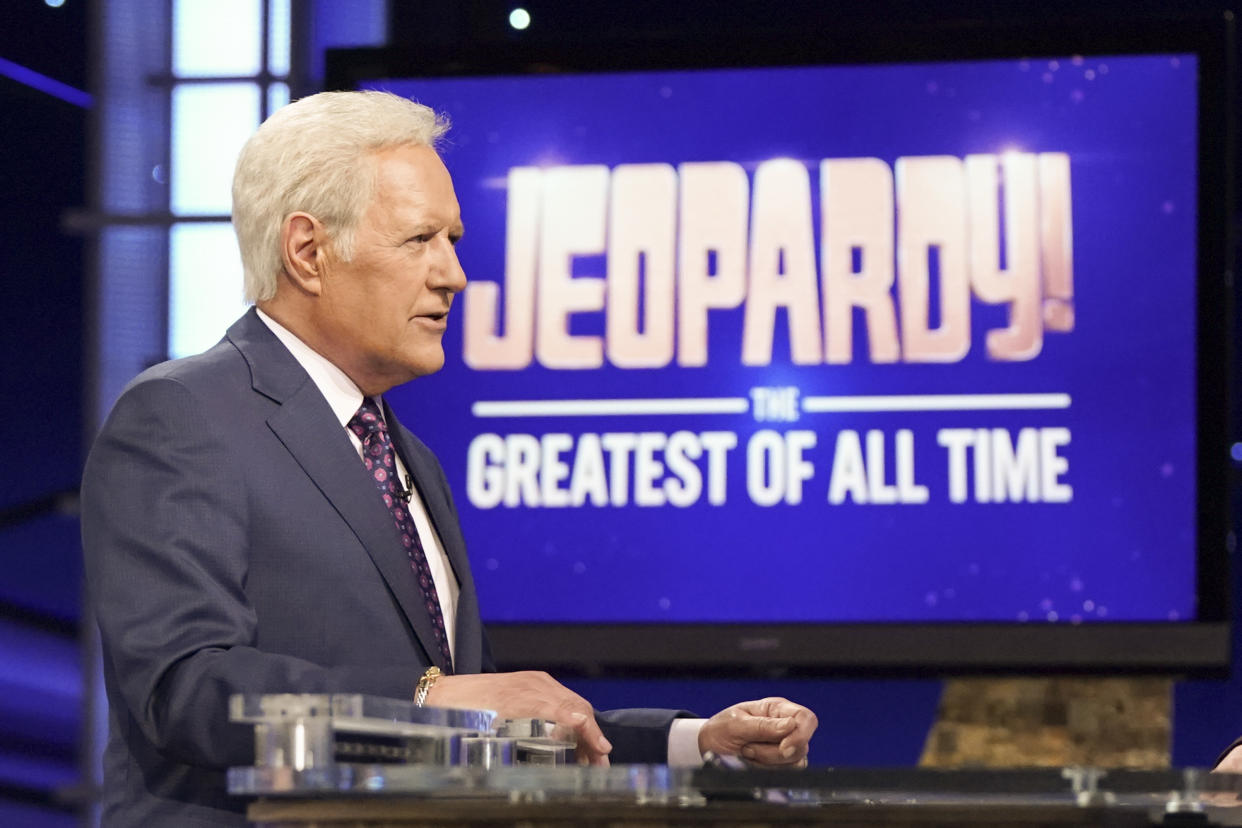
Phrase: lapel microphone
(405, 488)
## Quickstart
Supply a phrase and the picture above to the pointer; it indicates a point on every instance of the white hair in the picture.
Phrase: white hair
(315, 156)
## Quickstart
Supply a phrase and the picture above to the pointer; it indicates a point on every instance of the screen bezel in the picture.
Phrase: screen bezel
(1199, 647)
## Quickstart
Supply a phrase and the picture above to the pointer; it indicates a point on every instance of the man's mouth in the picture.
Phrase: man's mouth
(437, 321)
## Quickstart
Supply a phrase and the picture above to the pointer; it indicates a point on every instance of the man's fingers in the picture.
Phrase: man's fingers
(763, 753)
(761, 728)
(779, 716)
(775, 707)
(805, 723)
(591, 739)
(592, 747)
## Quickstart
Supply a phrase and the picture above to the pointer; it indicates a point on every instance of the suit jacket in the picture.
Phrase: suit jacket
(234, 543)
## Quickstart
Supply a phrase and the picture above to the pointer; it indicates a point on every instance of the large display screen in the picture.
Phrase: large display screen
(895, 343)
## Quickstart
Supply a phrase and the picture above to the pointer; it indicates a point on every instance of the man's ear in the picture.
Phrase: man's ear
(303, 243)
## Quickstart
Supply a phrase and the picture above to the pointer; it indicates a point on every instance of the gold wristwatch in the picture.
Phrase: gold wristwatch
(425, 684)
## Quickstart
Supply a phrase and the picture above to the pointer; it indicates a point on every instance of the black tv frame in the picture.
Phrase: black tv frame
(1194, 648)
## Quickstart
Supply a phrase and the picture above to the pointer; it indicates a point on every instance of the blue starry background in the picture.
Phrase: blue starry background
(1122, 550)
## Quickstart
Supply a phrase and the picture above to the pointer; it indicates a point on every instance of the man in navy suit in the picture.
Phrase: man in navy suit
(235, 541)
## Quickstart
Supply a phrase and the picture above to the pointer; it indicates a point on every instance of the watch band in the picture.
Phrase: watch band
(425, 684)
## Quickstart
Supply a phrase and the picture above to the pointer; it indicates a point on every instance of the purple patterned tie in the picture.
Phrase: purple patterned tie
(377, 454)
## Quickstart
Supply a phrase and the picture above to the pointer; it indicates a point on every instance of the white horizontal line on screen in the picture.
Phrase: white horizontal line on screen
(608, 408)
(934, 402)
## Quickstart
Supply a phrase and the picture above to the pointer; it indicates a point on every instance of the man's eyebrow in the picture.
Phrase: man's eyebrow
(422, 228)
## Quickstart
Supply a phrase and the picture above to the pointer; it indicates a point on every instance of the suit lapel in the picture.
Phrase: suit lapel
(305, 425)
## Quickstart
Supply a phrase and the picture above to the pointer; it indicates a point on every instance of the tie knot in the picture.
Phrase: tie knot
(367, 420)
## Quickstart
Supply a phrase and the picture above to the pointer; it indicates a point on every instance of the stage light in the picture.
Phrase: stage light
(519, 18)
(56, 4)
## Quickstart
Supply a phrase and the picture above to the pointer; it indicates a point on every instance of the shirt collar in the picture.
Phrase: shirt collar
(343, 395)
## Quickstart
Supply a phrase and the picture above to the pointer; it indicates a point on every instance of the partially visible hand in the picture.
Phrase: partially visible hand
(1232, 763)
(526, 695)
(772, 731)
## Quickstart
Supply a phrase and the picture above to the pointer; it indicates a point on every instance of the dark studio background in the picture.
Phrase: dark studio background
(46, 385)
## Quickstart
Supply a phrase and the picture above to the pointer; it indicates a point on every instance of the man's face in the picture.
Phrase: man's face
(381, 315)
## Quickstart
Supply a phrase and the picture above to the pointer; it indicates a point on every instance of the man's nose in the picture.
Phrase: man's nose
(448, 273)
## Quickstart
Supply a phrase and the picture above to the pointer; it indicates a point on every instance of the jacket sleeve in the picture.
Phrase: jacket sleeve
(639, 736)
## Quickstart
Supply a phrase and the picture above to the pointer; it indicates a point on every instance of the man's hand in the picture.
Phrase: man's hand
(526, 695)
(771, 731)
(1232, 763)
